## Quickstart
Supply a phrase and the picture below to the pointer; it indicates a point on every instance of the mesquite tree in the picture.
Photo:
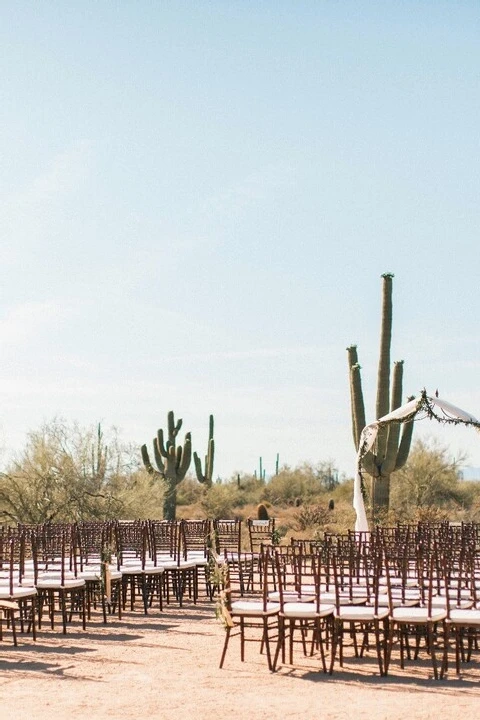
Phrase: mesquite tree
(391, 449)
(70, 473)
(172, 463)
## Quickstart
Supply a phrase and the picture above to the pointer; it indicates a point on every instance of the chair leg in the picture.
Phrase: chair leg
(225, 645)
(376, 629)
(51, 608)
(14, 628)
(458, 644)
(280, 642)
(391, 633)
(10, 616)
(317, 635)
(267, 644)
(430, 638)
(104, 607)
(353, 635)
(84, 613)
(291, 633)
(401, 633)
(335, 638)
(242, 639)
(33, 618)
(304, 631)
(63, 607)
(386, 637)
(445, 650)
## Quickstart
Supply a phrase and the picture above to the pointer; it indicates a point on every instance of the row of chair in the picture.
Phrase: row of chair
(361, 589)
(69, 568)
(417, 584)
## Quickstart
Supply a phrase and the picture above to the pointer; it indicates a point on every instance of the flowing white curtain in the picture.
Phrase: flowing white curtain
(449, 413)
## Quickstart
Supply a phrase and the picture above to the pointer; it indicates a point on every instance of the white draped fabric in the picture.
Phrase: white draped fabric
(448, 412)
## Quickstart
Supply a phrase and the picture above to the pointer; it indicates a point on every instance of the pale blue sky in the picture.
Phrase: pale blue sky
(199, 198)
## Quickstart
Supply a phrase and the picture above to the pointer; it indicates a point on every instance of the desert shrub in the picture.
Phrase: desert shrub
(430, 514)
(304, 483)
(469, 508)
(280, 534)
(220, 500)
(429, 479)
(140, 497)
(189, 491)
(343, 493)
(251, 490)
(311, 516)
(289, 485)
(68, 472)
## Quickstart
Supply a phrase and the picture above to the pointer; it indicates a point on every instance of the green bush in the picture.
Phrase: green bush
(220, 500)
(312, 517)
(189, 491)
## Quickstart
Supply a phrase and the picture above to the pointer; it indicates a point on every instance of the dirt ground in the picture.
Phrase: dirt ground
(166, 665)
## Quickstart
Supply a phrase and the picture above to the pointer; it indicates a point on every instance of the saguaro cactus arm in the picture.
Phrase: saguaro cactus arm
(358, 408)
(146, 461)
(173, 429)
(405, 442)
(393, 434)
(356, 395)
(184, 458)
(159, 451)
(207, 477)
(383, 375)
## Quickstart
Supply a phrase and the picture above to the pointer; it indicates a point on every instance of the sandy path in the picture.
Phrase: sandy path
(168, 663)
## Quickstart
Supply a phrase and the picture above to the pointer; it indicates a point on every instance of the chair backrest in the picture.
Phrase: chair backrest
(165, 539)
(227, 535)
(52, 563)
(195, 536)
(129, 537)
(11, 556)
(266, 570)
(298, 573)
(308, 546)
(92, 537)
(354, 574)
(428, 568)
(260, 533)
(456, 575)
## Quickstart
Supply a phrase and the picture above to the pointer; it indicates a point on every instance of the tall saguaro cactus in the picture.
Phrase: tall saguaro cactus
(207, 477)
(172, 463)
(391, 450)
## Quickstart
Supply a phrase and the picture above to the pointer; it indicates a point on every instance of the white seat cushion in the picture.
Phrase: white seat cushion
(361, 613)
(51, 583)
(306, 611)
(470, 617)
(153, 570)
(418, 615)
(253, 607)
(17, 594)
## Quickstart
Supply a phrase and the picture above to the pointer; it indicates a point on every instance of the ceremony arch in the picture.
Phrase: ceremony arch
(419, 408)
